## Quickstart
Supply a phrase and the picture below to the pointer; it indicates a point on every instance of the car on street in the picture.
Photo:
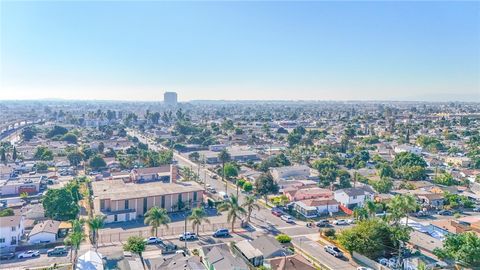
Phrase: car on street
(333, 250)
(223, 195)
(323, 223)
(476, 209)
(445, 213)
(29, 254)
(287, 218)
(277, 212)
(187, 236)
(221, 233)
(364, 268)
(340, 222)
(420, 214)
(211, 190)
(57, 251)
(7, 255)
(152, 240)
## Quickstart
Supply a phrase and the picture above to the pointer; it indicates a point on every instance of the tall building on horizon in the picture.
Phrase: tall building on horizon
(170, 98)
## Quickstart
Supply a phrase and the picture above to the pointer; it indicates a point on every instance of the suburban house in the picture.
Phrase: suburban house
(177, 262)
(11, 230)
(269, 247)
(44, 232)
(353, 197)
(313, 207)
(307, 193)
(433, 200)
(219, 257)
(250, 253)
(290, 172)
(459, 161)
(294, 262)
(121, 201)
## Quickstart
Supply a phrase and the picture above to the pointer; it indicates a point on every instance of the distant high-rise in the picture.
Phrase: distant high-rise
(170, 98)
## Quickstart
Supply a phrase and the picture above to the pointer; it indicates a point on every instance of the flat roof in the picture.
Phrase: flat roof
(119, 190)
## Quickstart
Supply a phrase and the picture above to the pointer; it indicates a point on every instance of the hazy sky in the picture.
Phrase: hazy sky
(240, 50)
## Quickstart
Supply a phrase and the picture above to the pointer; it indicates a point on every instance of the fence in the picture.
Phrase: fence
(109, 237)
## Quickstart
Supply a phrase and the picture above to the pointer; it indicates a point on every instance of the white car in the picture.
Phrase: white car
(153, 240)
(187, 236)
(364, 268)
(340, 222)
(29, 254)
(287, 218)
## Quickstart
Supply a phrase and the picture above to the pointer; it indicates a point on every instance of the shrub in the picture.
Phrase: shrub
(247, 186)
(283, 238)
(329, 233)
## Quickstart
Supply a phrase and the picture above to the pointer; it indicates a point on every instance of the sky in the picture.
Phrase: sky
(240, 50)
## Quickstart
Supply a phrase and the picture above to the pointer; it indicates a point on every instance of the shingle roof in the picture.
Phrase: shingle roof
(47, 226)
(10, 221)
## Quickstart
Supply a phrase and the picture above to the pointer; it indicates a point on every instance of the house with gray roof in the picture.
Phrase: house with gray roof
(219, 257)
(353, 197)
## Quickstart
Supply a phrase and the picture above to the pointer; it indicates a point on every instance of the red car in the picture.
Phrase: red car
(277, 212)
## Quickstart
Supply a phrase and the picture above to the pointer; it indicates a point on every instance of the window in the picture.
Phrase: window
(179, 198)
(2, 240)
(14, 228)
(163, 202)
(194, 196)
(126, 204)
(102, 204)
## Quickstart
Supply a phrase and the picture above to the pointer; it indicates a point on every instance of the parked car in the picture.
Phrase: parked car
(211, 190)
(56, 251)
(152, 240)
(420, 214)
(29, 254)
(223, 195)
(8, 255)
(287, 218)
(383, 261)
(167, 248)
(476, 209)
(340, 222)
(221, 233)
(445, 213)
(277, 212)
(323, 223)
(364, 268)
(187, 236)
(333, 250)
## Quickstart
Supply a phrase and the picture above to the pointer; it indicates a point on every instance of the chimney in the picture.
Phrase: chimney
(173, 173)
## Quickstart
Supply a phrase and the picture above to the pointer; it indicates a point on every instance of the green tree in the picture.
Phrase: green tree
(28, 133)
(197, 217)
(136, 245)
(234, 210)
(265, 185)
(344, 179)
(156, 217)
(3, 155)
(283, 238)
(250, 204)
(6, 212)
(445, 179)
(41, 166)
(384, 185)
(327, 169)
(43, 153)
(75, 238)
(97, 162)
(463, 248)
(195, 156)
(370, 237)
(60, 204)
(95, 224)
(247, 187)
(224, 157)
(75, 158)
(400, 206)
(70, 138)
(56, 130)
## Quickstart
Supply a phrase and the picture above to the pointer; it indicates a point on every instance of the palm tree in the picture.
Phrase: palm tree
(400, 206)
(75, 238)
(95, 224)
(233, 208)
(224, 157)
(250, 204)
(198, 216)
(156, 217)
(371, 208)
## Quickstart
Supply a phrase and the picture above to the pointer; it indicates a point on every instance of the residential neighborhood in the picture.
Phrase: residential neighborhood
(212, 189)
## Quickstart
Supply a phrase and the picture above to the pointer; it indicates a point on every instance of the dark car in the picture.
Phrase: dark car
(277, 212)
(7, 255)
(221, 233)
(57, 251)
(445, 213)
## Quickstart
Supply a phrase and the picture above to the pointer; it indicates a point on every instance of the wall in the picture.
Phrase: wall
(368, 262)
(42, 238)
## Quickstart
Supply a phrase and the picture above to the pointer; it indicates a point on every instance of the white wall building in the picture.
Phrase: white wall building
(44, 232)
(353, 197)
(11, 230)
(290, 172)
